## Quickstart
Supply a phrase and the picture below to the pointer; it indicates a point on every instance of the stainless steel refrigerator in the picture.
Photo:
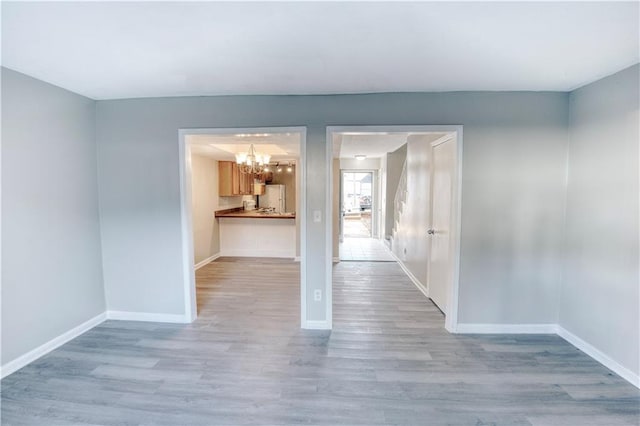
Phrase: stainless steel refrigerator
(273, 198)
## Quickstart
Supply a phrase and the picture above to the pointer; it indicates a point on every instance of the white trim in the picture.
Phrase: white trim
(414, 280)
(147, 316)
(506, 329)
(189, 276)
(441, 140)
(316, 325)
(296, 259)
(599, 356)
(276, 254)
(302, 214)
(52, 344)
(205, 262)
(335, 259)
(451, 319)
(571, 338)
(188, 270)
(328, 236)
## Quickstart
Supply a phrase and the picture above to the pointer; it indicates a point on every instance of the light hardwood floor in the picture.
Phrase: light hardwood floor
(246, 361)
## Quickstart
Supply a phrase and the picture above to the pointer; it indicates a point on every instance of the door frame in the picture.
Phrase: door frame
(374, 199)
(188, 270)
(452, 204)
(451, 319)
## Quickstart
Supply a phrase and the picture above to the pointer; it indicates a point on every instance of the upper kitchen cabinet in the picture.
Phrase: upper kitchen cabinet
(228, 179)
(258, 187)
(232, 182)
(246, 183)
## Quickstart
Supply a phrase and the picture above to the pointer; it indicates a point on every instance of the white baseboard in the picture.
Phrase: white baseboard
(52, 344)
(506, 328)
(599, 356)
(316, 325)
(206, 261)
(147, 316)
(412, 277)
(336, 259)
(585, 347)
(257, 253)
(296, 259)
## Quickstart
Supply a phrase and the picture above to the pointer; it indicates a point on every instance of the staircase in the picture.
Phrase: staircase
(399, 203)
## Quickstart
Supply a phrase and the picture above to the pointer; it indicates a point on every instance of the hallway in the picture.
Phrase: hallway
(245, 360)
(364, 249)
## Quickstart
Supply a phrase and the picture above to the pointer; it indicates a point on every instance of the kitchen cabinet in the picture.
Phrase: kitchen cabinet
(228, 179)
(258, 188)
(232, 182)
(246, 183)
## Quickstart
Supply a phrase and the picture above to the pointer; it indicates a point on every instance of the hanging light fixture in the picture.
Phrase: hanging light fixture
(289, 168)
(252, 162)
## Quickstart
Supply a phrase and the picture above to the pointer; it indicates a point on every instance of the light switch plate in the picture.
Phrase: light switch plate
(317, 216)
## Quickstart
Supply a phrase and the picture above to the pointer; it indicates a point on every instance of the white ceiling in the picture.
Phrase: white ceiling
(281, 146)
(286, 146)
(108, 50)
(373, 145)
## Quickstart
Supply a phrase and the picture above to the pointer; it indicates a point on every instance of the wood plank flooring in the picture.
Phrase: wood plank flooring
(246, 361)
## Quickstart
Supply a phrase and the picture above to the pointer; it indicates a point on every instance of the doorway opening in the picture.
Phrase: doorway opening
(360, 217)
(356, 201)
(409, 177)
(242, 198)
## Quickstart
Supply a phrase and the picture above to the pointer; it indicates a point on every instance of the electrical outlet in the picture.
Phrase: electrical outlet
(317, 295)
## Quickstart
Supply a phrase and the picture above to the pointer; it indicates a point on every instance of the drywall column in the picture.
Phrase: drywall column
(599, 298)
(317, 232)
(51, 258)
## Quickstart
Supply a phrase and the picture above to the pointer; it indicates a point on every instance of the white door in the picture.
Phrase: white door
(440, 255)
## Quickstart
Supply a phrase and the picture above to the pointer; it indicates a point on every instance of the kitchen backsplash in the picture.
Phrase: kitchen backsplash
(230, 202)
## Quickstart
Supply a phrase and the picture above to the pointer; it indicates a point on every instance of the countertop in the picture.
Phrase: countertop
(253, 214)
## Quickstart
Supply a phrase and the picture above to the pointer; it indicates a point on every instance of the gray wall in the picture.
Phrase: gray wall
(513, 235)
(600, 291)
(514, 170)
(51, 259)
(395, 162)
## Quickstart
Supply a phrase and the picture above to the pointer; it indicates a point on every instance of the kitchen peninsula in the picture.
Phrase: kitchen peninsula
(255, 233)
(240, 212)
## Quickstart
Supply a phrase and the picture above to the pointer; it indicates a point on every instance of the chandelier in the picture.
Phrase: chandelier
(252, 162)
